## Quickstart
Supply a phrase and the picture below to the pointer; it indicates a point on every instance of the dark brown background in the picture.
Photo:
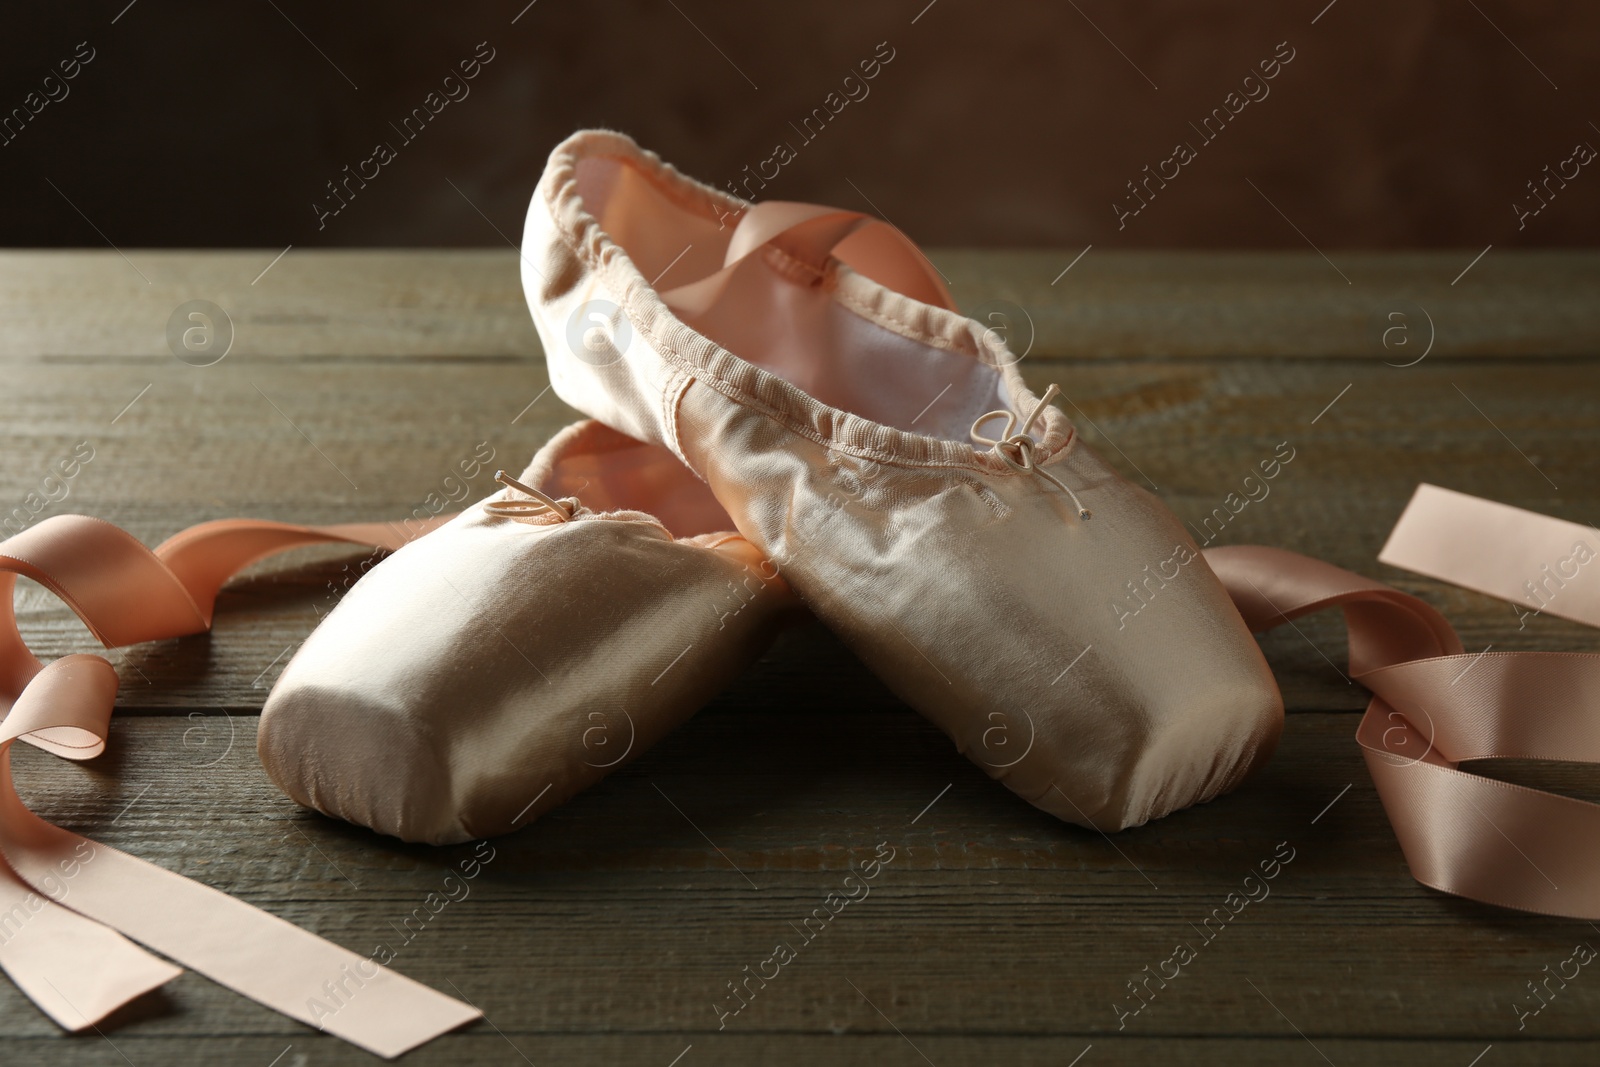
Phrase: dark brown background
(1410, 124)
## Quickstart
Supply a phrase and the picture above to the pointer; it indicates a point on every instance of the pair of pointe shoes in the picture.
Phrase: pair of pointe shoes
(787, 410)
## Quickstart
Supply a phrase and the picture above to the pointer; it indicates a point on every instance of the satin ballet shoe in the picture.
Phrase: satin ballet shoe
(491, 669)
(949, 525)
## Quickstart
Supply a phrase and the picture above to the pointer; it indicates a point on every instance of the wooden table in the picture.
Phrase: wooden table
(608, 932)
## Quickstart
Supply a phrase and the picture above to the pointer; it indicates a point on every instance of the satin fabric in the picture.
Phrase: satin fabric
(1435, 707)
(71, 908)
(1540, 564)
(970, 587)
(487, 672)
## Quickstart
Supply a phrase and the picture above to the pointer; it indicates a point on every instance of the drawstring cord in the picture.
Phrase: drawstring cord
(1016, 448)
(521, 509)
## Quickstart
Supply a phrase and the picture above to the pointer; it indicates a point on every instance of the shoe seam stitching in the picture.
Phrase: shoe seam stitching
(671, 401)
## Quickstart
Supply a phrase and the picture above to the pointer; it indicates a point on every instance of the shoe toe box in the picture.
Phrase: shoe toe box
(492, 669)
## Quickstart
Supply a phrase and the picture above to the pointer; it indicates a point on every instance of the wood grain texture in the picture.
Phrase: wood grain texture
(612, 916)
(607, 932)
(1109, 305)
(846, 1048)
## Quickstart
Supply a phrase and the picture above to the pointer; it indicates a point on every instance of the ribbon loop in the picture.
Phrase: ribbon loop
(1434, 707)
(66, 901)
(809, 234)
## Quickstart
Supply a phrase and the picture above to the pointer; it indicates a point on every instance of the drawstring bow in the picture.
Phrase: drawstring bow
(1015, 445)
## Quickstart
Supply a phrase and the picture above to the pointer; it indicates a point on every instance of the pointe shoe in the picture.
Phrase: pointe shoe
(809, 365)
(491, 669)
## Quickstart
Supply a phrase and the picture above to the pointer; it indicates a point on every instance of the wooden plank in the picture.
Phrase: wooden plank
(1110, 305)
(353, 303)
(1276, 305)
(851, 1047)
(992, 920)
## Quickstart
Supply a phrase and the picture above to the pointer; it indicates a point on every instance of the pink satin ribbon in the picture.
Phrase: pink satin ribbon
(1435, 706)
(66, 902)
(810, 234)
(1540, 564)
